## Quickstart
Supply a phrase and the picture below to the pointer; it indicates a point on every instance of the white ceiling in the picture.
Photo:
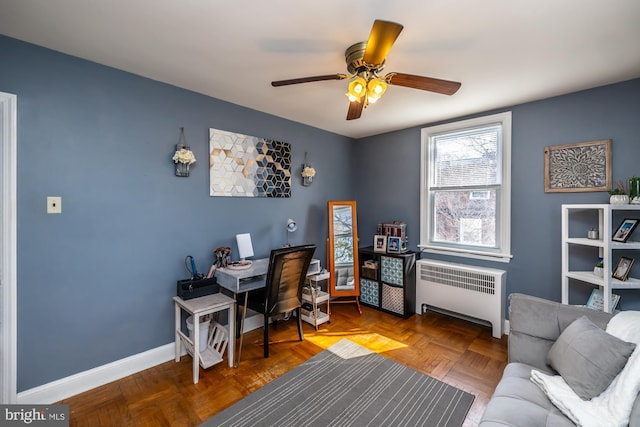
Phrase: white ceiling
(504, 52)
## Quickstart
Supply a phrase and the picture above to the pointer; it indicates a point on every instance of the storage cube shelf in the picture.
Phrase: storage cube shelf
(392, 286)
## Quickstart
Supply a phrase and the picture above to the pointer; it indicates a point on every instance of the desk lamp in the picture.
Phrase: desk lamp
(291, 227)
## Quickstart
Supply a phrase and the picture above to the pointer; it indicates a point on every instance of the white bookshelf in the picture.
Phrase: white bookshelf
(606, 249)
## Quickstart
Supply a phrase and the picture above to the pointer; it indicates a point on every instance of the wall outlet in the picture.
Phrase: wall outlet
(54, 205)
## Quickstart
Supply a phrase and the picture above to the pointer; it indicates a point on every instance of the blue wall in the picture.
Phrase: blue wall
(389, 182)
(95, 283)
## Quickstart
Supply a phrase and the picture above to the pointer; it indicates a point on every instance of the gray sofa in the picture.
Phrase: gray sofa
(535, 324)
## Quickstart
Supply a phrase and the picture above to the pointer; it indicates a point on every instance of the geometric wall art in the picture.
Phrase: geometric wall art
(248, 166)
(585, 166)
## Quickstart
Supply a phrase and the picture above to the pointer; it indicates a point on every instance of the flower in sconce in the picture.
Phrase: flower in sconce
(185, 156)
(308, 172)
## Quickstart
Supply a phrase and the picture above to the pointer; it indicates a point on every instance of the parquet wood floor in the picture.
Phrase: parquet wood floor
(455, 351)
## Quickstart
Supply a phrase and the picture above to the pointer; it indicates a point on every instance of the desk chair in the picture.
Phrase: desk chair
(285, 279)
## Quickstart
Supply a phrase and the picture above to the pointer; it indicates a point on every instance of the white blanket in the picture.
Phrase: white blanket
(613, 406)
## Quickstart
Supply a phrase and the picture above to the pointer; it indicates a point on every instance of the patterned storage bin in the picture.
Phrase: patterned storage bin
(369, 292)
(393, 298)
(391, 271)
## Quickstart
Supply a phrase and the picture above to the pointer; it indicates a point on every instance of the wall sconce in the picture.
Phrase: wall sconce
(183, 157)
(291, 227)
(307, 172)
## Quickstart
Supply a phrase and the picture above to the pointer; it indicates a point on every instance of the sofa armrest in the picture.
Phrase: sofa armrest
(536, 323)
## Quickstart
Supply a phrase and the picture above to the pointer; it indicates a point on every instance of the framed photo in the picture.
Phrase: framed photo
(625, 229)
(596, 300)
(393, 245)
(379, 243)
(579, 167)
(624, 267)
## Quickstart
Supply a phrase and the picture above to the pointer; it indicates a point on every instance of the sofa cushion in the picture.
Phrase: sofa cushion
(518, 402)
(536, 323)
(588, 358)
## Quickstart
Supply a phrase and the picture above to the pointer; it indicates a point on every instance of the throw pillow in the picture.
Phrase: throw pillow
(588, 358)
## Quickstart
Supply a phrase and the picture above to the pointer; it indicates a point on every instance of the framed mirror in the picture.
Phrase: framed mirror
(342, 250)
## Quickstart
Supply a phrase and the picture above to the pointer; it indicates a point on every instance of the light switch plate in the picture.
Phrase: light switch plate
(54, 205)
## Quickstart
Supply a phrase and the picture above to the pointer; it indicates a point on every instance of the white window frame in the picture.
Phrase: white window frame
(502, 252)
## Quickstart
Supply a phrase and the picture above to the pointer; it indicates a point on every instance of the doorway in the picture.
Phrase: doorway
(8, 248)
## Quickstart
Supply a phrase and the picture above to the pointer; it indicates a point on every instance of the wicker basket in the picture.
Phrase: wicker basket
(370, 270)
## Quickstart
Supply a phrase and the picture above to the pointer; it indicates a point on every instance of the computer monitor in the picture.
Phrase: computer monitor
(245, 248)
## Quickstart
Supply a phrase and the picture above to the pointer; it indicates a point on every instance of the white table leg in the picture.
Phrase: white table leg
(196, 347)
(232, 334)
(177, 328)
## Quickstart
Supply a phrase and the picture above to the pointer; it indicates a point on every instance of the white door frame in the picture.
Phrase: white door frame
(8, 258)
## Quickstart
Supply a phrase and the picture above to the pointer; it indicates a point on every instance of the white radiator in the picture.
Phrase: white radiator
(471, 291)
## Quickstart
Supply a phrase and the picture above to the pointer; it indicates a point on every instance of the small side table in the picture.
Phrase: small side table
(219, 336)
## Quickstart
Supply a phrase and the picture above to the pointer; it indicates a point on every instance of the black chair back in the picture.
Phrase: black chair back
(286, 277)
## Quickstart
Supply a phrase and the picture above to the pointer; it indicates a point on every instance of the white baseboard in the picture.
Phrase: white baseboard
(87, 380)
(75, 384)
(83, 381)
(252, 321)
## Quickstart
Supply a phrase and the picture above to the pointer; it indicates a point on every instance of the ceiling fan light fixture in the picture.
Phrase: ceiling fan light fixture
(365, 60)
(375, 89)
(357, 89)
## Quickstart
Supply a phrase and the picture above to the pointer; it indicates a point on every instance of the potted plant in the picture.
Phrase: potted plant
(618, 194)
(598, 269)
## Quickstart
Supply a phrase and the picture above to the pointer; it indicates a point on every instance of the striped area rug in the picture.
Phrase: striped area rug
(348, 385)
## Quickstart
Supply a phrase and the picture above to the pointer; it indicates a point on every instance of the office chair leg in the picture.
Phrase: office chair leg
(299, 316)
(266, 336)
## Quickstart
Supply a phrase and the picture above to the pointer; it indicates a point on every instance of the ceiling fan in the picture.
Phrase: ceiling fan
(364, 61)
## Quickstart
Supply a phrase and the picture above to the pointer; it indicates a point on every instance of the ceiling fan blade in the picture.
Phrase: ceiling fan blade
(383, 35)
(430, 84)
(355, 109)
(309, 79)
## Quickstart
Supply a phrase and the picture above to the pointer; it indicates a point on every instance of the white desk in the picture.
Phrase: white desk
(254, 277)
(245, 280)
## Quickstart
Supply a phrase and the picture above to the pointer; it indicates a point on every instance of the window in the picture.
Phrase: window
(465, 204)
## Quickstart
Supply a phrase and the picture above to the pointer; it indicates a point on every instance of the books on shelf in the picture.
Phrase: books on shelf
(596, 300)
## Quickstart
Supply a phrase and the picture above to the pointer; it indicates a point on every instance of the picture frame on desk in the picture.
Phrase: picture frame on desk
(393, 245)
(623, 268)
(625, 229)
(380, 243)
